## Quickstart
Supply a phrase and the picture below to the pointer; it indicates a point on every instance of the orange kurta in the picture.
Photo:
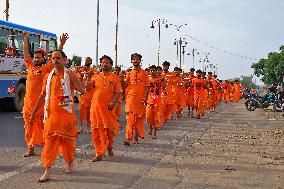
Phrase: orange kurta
(226, 92)
(212, 96)
(34, 131)
(136, 82)
(154, 102)
(238, 92)
(177, 94)
(168, 98)
(104, 121)
(199, 95)
(190, 91)
(118, 107)
(60, 134)
(85, 99)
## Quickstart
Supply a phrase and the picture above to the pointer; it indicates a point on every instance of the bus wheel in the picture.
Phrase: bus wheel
(19, 97)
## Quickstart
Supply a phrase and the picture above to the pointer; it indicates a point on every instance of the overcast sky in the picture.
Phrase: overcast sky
(250, 28)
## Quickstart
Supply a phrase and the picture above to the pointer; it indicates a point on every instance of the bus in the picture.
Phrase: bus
(12, 69)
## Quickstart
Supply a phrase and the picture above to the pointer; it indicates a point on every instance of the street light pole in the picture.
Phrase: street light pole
(178, 41)
(193, 54)
(159, 21)
(180, 44)
(116, 35)
(7, 10)
(159, 47)
(97, 41)
(205, 59)
(183, 51)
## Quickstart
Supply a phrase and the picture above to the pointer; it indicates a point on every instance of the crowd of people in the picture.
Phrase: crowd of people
(154, 94)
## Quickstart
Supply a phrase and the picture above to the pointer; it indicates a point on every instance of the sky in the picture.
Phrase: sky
(249, 28)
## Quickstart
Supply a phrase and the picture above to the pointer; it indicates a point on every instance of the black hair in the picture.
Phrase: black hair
(199, 71)
(137, 55)
(106, 57)
(159, 68)
(153, 67)
(166, 63)
(192, 69)
(39, 52)
(210, 73)
(62, 53)
(117, 67)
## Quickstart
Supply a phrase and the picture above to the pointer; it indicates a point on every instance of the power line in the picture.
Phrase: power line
(220, 49)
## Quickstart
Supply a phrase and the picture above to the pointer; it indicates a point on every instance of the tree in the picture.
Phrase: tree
(271, 69)
(248, 84)
(76, 59)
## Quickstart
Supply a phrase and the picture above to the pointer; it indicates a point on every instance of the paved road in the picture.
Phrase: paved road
(175, 160)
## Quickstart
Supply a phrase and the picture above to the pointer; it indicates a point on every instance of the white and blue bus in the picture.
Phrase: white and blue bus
(12, 69)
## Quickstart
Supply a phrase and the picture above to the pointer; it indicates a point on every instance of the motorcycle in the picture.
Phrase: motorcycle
(270, 99)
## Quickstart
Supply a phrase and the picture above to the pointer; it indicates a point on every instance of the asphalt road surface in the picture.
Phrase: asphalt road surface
(230, 148)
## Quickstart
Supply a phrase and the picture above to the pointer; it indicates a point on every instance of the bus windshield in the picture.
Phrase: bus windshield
(11, 40)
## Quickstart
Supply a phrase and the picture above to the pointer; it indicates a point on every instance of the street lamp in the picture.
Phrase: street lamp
(116, 34)
(205, 60)
(97, 40)
(180, 43)
(183, 51)
(193, 54)
(159, 22)
(178, 38)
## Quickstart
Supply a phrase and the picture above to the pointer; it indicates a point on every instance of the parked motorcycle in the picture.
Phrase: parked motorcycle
(270, 99)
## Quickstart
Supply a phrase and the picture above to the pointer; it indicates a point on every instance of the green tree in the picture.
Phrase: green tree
(271, 69)
(76, 59)
(248, 84)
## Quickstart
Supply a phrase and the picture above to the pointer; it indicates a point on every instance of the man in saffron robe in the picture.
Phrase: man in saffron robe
(104, 122)
(37, 69)
(136, 94)
(190, 92)
(168, 98)
(118, 106)
(86, 73)
(177, 91)
(199, 90)
(161, 106)
(154, 102)
(212, 97)
(238, 91)
(60, 125)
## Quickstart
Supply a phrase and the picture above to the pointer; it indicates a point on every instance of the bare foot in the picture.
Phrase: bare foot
(45, 176)
(126, 143)
(110, 152)
(69, 169)
(29, 153)
(97, 158)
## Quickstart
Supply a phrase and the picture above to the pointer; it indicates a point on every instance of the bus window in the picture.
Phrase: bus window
(19, 44)
(34, 43)
(43, 45)
(52, 45)
(4, 42)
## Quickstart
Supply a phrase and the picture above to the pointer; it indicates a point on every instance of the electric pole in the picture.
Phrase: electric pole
(7, 10)
(97, 42)
(116, 35)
